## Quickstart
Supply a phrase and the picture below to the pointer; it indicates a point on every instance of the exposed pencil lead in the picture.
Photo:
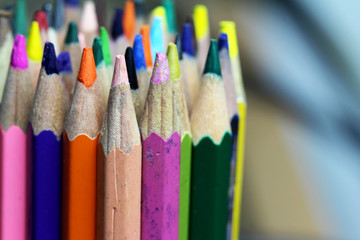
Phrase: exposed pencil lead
(117, 25)
(173, 58)
(72, 34)
(87, 71)
(105, 46)
(49, 61)
(64, 62)
(19, 57)
(41, 18)
(34, 48)
(138, 52)
(223, 42)
(212, 64)
(187, 40)
(120, 76)
(161, 72)
(97, 50)
(179, 45)
(130, 65)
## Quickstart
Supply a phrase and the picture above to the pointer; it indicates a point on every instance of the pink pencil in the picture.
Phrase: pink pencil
(161, 159)
(14, 117)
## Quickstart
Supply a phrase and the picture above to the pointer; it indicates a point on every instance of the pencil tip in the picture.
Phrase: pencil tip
(138, 52)
(212, 64)
(41, 18)
(145, 33)
(130, 66)
(72, 34)
(223, 42)
(97, 50)
(229, 28)
(173, 58)
(129, 19)
(20, 18)
(87, 71)
(19, 57)
(34, 48)
(157, 36)
(187, 40)
(170, 15)
(64, 62)
(105, 46)
(49, 59)
(48, 9)
(179, 45)
(89, 20)
(59, 14)
(120, 76)
(117, 25)
(161, 72)
(201, 21)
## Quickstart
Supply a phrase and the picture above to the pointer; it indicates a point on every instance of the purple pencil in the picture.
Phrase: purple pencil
(161, 159)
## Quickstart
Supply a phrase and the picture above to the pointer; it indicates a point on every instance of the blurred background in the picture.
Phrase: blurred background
(300, 62)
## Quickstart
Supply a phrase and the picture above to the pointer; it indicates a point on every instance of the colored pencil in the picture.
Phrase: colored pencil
(72, 11)
(105, 43)
(72, 46)
(34, 52)
(143, 75)
(51, 31)
(140, 15)
(89, 25)
(161, 158)
(129, 20)
(157, 37)
(233, 113)
(160, 12)
(66, 76)
(80, 138)
(48, 9)
(210, 154)
(189, 66)
(102, 75)
(14, 116)
(6, 42)
(20, 18)
(145, 33)
(41, 18)
(182, 125)
(119, 40)
(47, 122)
(59, 22)
(202, 33)
(100, 6)
(121, 150)
(190, 20)
(169, 6)
(134, 85)
(229, 28)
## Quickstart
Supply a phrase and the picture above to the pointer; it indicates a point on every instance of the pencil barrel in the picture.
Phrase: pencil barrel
(160, 187)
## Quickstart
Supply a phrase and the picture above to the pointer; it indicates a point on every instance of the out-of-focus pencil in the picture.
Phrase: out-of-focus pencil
(105, 43)
(51, 32)
(72, 11)
(160, 12)
(202, 33)
(20, 18)
(161, 158)
(89, 25)
(157, 37)
(145, 33)
(169, 6)
(41, 18)
(67, 77)
(129, 20)
(119, 40)
(72, 46)
(100, 6)
(229, 28)
(59, 21)
(102, 75)
(143, 75)
(134, 85)
(6, 43)
(34, 52)
(80, 139)
(190, 69)
(121, 152)
(14, 117)
(182, 125)
(47, 122)
(210, 154)
(140, 14)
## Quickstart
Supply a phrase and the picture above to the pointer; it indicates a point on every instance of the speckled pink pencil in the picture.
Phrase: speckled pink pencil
(161, 159)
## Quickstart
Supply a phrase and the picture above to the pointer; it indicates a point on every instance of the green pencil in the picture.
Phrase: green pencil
(182, 125)
(210, 154)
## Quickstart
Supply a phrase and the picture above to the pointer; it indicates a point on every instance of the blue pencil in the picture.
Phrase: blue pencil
(47, 121)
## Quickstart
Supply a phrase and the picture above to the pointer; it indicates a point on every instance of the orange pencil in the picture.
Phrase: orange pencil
(145, 32)
(80, 138)
(129, 20)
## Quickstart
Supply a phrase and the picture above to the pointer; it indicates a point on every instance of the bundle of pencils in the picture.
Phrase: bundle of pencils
(124, 141)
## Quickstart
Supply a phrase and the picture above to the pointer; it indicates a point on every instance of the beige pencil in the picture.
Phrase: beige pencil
(121, 155)
(89, 25)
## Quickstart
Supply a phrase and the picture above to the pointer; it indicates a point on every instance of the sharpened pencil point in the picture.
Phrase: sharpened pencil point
(161, 72)
(120, 76)
(117, 25)
(145, 32)
(105, 46)
(64, 62)
(49, 61)
(89, 22)
(223, 42)
(72, 34)
(41, 18)
(157, 36)
(201, 21)
(34, 47)
(173, 58)
(87, 71)
(129, 19)
(229, 28)
(212, 64)
(48, 9)
(170, 15)
(179, 45)
(130, 65)
(19, 57)
(138, 52)
(187, 40)
(98, 52)
(20, 18)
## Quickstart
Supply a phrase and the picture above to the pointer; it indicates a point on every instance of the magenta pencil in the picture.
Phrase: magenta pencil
(14, 117)
(161, 159)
